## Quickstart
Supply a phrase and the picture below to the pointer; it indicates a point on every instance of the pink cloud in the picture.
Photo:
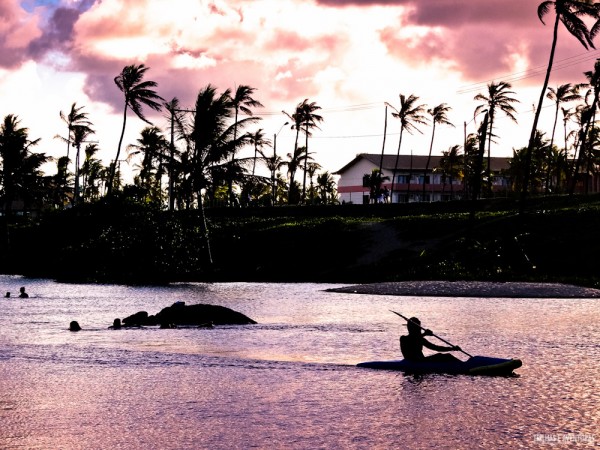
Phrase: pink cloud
(31, 36)
(478, 39)
(17, 30)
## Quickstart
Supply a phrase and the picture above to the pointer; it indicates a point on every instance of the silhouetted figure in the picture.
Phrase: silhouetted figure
(74, 326)
(7, 295)
(116, 324)
(23, 294)
(412, 345)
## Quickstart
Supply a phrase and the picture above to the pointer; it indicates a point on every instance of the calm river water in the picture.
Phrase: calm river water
(290, 381)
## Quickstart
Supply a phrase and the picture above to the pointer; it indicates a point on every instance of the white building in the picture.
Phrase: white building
(408, 178)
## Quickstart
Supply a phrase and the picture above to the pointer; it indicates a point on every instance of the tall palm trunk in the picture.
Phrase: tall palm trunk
(293, 172)
(76, 193)
(230, 176)
(113, 166)
(582, 146)
(567, 166)
(396, 166)
(538, 110)
(489, 155)
(305, 164)
(204, 230)
(428, 161)
(384, 136)
(548, 177)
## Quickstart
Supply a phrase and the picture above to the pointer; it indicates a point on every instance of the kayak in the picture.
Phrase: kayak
(476, 365)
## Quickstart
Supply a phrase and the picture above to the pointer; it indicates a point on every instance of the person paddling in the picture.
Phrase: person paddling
(412, 344)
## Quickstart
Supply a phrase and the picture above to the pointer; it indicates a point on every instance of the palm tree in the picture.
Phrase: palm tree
(570, 13)
(588, 118)
(137, 93)
(438, 116)
(242, 101)
(326, 188)
(375, 180)
(498, 98)
(259, 140)
(209, 139)
(295, 160)
(310, 121)
(311, 169)
(20, 171)
(274, 163)
(568, 115)
(451, 163)
(153, 148)
(564, 93)
(80, 134)
(304, 116)
(410, 114)
(75, 118)
(91, 171)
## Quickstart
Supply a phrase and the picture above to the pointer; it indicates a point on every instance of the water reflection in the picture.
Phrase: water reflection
(290, 381)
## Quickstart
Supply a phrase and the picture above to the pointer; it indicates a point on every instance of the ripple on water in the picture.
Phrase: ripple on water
(290, 381)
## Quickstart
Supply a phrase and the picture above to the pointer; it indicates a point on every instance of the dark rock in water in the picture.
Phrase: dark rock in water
(74, 326)
(136, 319)
(181, 314)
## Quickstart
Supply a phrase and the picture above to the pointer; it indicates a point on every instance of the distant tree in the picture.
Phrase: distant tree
(326, 188)
(61, 191)
(74, 118)
(571, 13)
(438, 116)
(410, 115)
(80, 135)
(295, 161)
(241, 101)
(564, 93)
(259, 140)
(137, 94)
(518, 167)
(498, 98)
(304, 118)
(153, 147)
(376, 179)
(20, 175)
(93, 172)
(588, 119)
(451, 164)
(311, 170)
(274, 164)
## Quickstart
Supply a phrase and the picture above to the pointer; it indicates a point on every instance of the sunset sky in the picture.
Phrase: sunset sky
(348, 56)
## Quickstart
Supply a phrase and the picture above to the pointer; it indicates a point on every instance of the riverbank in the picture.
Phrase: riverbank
(553, 241)
(471, 289)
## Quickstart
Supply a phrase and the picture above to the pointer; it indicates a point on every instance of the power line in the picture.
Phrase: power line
(535, 71)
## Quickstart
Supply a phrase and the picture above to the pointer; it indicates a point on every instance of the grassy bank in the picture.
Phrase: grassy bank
(554, 240)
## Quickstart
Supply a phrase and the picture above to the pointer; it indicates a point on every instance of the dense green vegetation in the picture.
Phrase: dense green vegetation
(554, 240)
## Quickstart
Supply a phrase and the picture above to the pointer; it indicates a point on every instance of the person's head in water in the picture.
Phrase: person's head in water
(413, 325)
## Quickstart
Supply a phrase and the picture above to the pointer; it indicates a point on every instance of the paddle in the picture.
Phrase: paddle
(434, 335)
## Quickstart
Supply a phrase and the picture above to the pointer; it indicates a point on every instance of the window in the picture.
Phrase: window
(366, 180)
